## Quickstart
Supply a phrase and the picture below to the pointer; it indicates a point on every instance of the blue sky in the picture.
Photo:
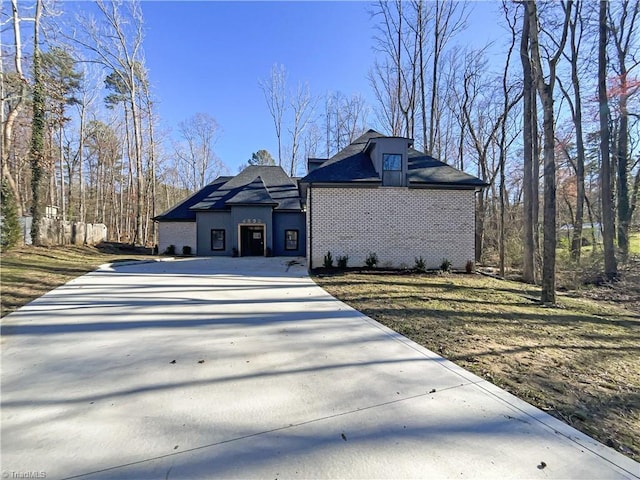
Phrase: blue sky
(207, 56)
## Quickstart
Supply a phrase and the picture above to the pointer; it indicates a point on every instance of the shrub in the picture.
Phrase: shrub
(171, 250)
(470, 266)
(445, 266)
(10, 231)
(186, 250)
(328, 260)
(372, 260)
(268, 252)
(342, 261)
(234, 252)
(420, 265)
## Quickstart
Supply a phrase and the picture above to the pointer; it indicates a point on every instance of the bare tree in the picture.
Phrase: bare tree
(449, 18)
(397, 75)
(545, 89)
(13, 99)
(574, 102)
(383, 83)
(302, 106)
(197, 150)
(345, 119)
(117, 44)
(274, 90)
(530, 158)
(88, 94)
(623, 34)
(610, 264)
(507, 104)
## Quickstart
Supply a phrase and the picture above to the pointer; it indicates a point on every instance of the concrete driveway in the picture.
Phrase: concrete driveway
(244, 368)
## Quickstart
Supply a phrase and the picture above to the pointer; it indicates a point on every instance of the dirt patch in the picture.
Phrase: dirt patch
(625, 291)
(579, 361)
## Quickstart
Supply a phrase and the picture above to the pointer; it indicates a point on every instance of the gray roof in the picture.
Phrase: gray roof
(255, 185)
(254, 193)
(353, 165)
(182, 212)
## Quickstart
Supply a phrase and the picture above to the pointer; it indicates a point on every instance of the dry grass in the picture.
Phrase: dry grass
(580, 361)
(29, 272)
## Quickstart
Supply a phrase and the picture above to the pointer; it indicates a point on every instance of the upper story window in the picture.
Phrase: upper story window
(392, 162)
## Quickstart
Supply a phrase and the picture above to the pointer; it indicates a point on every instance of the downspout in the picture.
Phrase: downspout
(310, 233)
(475, 221)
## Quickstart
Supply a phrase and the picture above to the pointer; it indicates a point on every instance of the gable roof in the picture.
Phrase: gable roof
(255, 185)
(353, 165)
(274, 187)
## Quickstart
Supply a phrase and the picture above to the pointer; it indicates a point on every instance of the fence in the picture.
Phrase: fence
(58, 232)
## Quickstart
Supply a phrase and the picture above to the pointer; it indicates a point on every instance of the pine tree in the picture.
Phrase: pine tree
(10, 231)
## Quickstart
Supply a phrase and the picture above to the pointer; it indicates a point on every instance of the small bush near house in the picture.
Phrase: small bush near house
(328, 260)
(372, 260)
(420, 265)
(445, 266)
(234, 252)
(268, 252)
(342, 261)
(470, 266)
(171, 250)
(186, 250)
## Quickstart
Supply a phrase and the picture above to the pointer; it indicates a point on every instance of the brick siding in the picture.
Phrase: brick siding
(396, 223)
(178, 234)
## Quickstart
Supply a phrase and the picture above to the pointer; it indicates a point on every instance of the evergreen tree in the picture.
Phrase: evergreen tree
(261, 157)
(10, 231)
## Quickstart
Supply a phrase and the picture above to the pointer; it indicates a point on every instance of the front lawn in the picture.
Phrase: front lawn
(580, 362)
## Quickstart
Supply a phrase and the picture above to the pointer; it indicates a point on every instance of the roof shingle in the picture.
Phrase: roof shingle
(353, 165)
(255, 185)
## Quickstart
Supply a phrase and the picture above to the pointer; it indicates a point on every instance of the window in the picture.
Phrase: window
(392, 161)
(291, 239)
(217, 239)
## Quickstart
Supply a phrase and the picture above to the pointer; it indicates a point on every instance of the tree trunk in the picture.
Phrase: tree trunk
(549, 212)
(528, 264)
(606, 195)
(545, 91)
(37, 132)
(80, 165)
(576, 240)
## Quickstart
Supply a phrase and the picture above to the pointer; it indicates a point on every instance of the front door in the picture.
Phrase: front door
(252, 238)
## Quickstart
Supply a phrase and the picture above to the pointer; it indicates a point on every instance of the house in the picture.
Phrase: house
(380, 196)
(377, 196)
(257, 212)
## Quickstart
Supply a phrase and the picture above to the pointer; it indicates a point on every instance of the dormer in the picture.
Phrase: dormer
(313, 163)
(390, 158)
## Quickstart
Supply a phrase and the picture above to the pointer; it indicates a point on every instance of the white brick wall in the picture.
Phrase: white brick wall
(396, 223)
(178, 234)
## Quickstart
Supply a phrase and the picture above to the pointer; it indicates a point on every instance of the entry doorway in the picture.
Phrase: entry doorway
(252, 240)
